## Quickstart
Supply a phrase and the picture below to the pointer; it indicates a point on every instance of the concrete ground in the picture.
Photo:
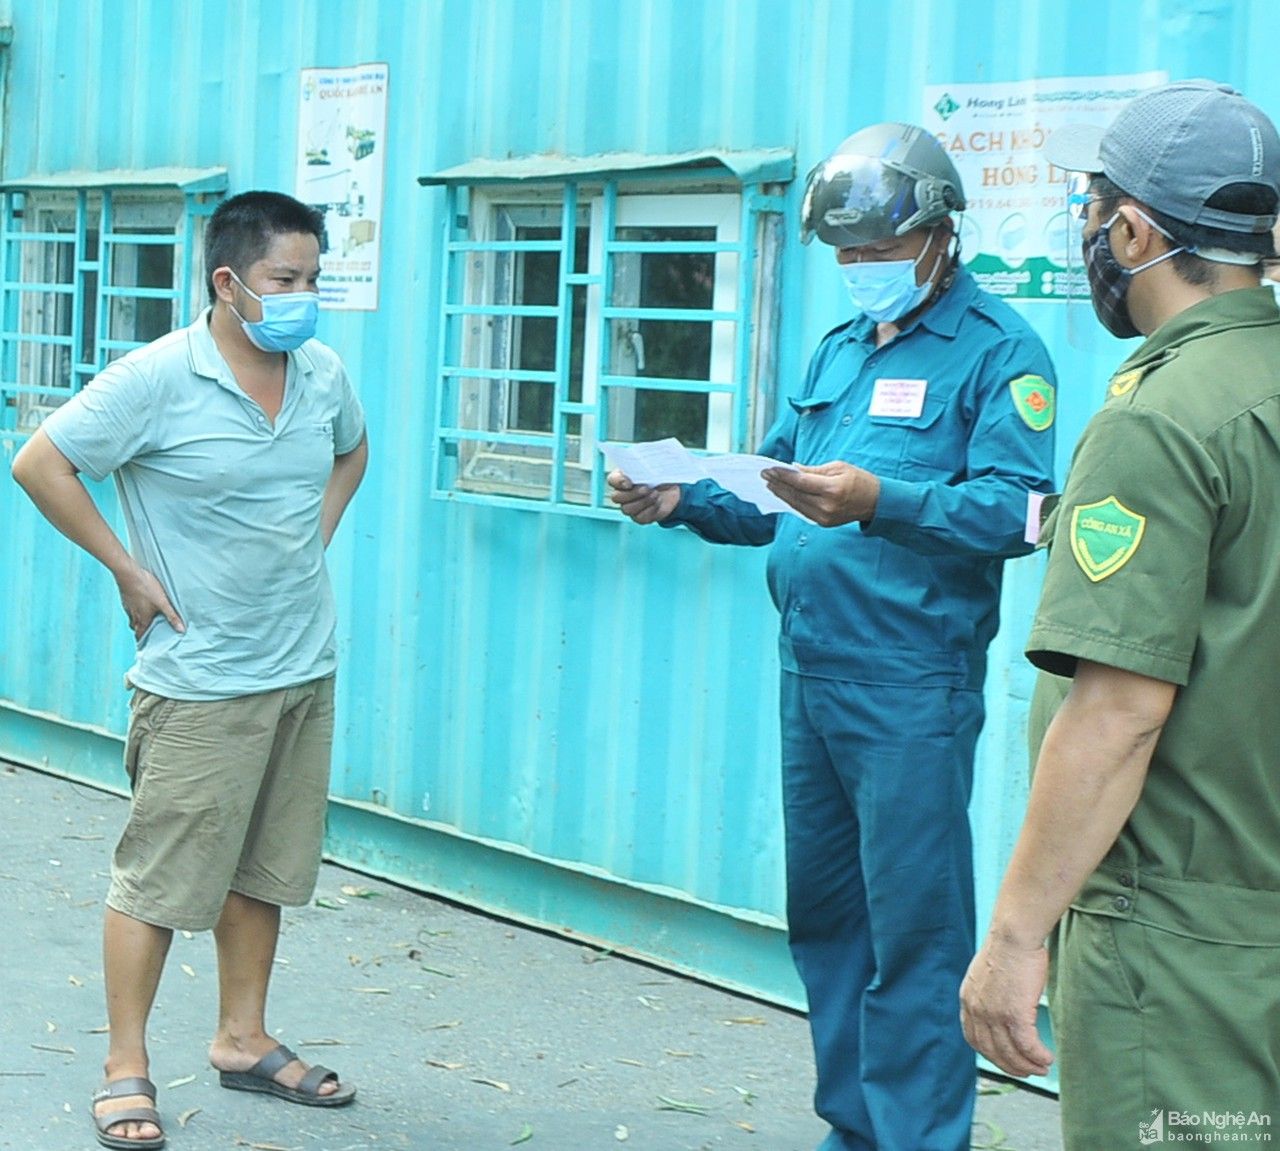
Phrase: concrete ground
(463, 1032)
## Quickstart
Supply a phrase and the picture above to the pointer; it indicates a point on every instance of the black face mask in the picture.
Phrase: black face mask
(1109, 279)
(1108, 286)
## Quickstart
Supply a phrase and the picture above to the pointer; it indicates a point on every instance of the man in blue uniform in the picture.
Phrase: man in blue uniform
(933, 411)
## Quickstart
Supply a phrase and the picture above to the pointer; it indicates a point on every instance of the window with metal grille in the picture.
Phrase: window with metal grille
(90, 270)
(631, 306)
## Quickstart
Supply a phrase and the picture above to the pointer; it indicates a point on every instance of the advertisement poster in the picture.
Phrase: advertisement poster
(1016, 236)
(342, 145)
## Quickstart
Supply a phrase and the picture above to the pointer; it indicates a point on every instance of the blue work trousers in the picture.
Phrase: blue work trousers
(876, 784)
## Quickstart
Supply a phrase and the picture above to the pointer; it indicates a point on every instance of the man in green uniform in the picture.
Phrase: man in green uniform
(1153, 828)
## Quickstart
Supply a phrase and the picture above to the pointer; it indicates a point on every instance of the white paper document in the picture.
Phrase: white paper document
(670, 462)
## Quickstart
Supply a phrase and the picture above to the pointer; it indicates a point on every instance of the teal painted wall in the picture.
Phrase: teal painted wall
(567, 719)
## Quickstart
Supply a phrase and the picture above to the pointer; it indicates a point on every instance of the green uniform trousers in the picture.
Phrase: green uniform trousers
(1156, 1031)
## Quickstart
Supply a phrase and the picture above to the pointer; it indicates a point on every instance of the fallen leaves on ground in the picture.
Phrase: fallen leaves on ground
(493, 1083)
(358, 892)
(994, 1140)
(436, 971)
(665, 1103)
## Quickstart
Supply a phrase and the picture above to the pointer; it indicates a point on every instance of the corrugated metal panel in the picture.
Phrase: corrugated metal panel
(568, 696)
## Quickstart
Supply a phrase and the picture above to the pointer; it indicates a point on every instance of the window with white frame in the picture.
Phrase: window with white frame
(600, 309)
(91, 272)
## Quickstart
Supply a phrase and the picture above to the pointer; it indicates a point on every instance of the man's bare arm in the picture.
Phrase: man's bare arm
(348, 471)
(1088, 779)
(55, 487)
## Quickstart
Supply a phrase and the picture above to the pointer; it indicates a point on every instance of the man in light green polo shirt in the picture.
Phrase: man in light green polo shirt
(1153, 828)
(236, 445)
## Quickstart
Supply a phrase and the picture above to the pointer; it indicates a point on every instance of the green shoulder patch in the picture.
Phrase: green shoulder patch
(1033, 398)
(1104, 537)
(1125, 382)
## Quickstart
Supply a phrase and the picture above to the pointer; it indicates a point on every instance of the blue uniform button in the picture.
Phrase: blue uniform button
(801, 541)
(798, 608)
(847, 421)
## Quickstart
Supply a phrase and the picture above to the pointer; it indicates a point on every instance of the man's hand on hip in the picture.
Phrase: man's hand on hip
(144, 599)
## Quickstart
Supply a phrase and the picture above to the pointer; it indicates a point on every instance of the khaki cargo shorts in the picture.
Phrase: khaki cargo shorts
(228, 795)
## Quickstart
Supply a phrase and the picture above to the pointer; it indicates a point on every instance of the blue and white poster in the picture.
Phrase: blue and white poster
(1016, 236)
(342, 147)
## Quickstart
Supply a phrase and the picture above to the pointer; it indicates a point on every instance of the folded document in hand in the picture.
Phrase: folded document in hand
(670, 462)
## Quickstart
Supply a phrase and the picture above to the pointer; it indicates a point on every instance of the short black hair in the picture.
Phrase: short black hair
(242, 228)
(1245, 198)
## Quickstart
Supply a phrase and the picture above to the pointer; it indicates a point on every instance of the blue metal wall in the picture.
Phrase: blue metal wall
(567, 719)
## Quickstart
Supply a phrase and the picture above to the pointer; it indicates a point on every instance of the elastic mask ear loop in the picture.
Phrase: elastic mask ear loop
(937, 259)
(245, 287)
(1160, 259)
(938, 286)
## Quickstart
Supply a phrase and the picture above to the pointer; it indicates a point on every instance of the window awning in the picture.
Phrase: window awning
(189, 180)
(763, 166)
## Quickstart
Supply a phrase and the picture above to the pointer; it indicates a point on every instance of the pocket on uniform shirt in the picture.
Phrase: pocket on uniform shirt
(810, 425)
(917, 444)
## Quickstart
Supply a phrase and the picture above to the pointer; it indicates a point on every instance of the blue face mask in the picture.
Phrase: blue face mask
(288, 319)
(886, 290)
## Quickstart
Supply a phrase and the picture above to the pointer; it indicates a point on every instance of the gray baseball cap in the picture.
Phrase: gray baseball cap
(1175, 146)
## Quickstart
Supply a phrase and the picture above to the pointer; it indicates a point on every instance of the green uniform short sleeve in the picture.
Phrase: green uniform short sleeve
(1129, 560)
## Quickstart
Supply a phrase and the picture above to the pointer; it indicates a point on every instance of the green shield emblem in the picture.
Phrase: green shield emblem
(1104, 537)
(1033, 398)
